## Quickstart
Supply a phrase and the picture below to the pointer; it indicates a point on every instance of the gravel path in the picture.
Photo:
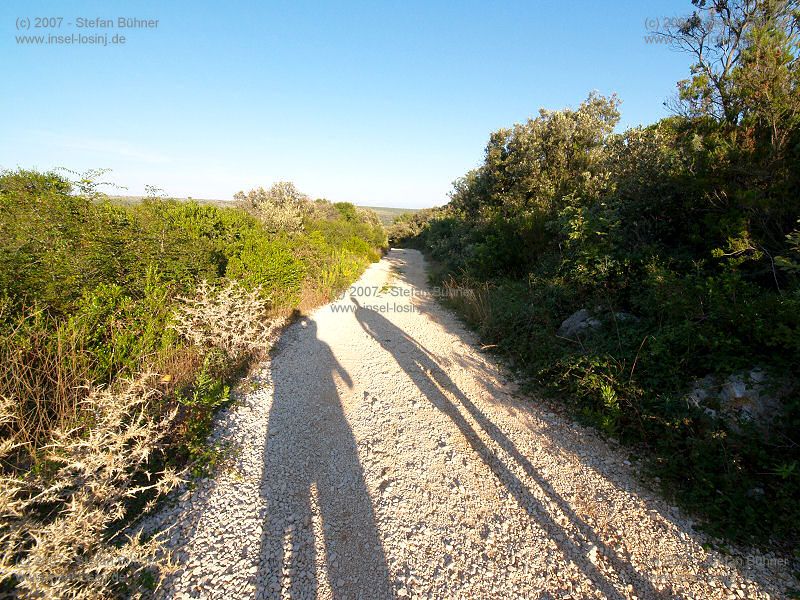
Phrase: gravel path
(380, 454)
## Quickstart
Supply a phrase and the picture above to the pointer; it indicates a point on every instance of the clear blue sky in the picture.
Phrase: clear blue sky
(378, 103)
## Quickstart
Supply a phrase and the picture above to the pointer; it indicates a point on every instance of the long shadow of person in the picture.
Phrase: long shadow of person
(423, 369)
(315, 496)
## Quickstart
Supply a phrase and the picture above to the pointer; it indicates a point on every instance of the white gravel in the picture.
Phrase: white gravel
(383, 455)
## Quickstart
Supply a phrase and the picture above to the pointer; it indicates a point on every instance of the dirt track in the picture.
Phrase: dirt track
(383, 455)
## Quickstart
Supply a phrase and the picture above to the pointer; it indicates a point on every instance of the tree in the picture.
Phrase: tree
(745, 62)
(767, 77)
(280, 208)
(531, 167)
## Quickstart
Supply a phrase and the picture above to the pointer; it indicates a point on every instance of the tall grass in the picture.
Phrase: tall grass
(42, 370)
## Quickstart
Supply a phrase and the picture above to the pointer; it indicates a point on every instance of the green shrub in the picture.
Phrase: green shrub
(272, 265)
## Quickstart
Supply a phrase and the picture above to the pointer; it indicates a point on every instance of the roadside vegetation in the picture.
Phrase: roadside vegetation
(122, 328)
(680, 244)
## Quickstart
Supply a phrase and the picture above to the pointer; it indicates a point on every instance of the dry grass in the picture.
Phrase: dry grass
(55, 522)
(474, 302)
(43, 377)
(312, 296)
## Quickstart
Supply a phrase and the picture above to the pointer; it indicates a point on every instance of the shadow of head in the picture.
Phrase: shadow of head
(318, 506)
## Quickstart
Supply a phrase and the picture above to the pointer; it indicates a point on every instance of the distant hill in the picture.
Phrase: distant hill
(135, 199)
(386, 214)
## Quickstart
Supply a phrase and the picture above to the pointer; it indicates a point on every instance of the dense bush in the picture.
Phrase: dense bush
(690, 226)
(121, 328)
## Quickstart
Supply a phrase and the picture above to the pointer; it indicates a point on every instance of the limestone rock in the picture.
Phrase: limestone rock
(578, 322)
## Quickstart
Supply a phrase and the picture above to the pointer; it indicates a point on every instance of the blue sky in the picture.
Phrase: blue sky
(378, 103)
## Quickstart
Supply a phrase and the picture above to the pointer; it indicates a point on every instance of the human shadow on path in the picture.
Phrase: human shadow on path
(431, 380)
(313, 482)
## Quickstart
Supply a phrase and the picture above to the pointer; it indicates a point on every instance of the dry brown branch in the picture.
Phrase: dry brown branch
(230, 318)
